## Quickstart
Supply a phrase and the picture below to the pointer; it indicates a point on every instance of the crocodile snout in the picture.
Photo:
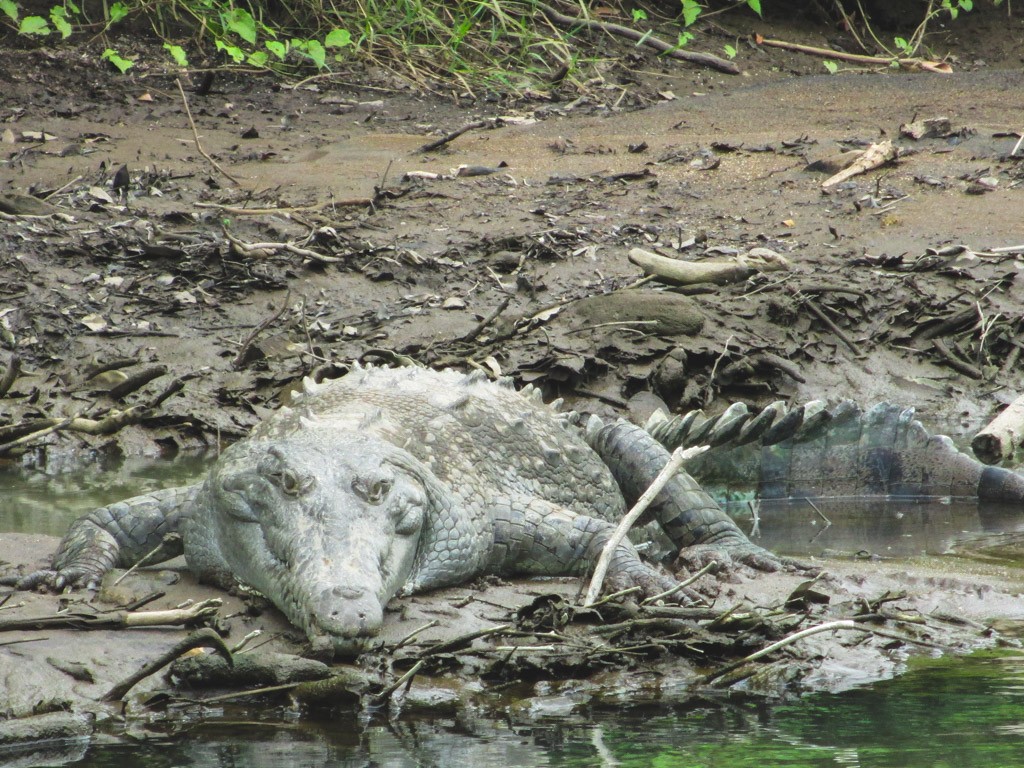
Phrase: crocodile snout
(347, 611)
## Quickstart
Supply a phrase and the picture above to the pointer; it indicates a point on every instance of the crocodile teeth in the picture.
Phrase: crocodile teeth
(310, 387)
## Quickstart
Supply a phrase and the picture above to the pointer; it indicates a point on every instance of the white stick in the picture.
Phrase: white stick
(679, 457)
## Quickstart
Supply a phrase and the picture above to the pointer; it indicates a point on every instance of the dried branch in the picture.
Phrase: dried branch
(679, 457)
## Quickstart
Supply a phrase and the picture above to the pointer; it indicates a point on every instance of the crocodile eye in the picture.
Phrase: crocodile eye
(291, 482)
(373, 492)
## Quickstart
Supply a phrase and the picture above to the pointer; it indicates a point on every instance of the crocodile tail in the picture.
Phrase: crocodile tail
(816, 451)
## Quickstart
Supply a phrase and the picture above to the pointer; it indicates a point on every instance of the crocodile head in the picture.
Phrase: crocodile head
(326, 525)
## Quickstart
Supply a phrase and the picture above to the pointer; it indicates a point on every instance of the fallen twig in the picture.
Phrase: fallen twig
(195, 133)
(679, 457)
(137, 381)
(940, 67)
(203, 638)
(235, 210)
(961, 366)
(483, 323)
(640, 38)
(200, 611)
(243, 350)
(252, 249)
(491, 123)
(788, 640)
(682, 584)
(839, 332)
(406, 678)
(463, 640)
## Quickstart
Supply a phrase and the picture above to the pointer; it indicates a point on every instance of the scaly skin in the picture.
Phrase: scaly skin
(812, 451)
(394, 481)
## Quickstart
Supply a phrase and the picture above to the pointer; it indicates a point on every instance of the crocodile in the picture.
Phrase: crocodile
(815, 450)
(388, 482)
(392, 481)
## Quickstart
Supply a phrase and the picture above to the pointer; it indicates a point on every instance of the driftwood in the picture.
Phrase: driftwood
(914, 64)
(680, 272)
(874, 156)
(1003, 435)
(199, 612)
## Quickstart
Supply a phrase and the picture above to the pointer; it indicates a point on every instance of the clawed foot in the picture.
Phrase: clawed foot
(52, 580)
(726, 557)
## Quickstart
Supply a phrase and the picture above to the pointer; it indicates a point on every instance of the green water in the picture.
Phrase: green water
(959, 713)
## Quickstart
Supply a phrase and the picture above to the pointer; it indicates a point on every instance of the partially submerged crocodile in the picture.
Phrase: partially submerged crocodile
(393, 481)
(815, 451)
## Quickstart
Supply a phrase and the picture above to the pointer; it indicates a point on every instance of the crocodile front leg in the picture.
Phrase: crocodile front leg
(690, 517)
(117, 536)
(538, 537)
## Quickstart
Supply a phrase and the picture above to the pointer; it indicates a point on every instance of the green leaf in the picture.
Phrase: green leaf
(755, 6)
(115, 58)
(58, 17)
(117, 12)
(691, 11)
(278, 49)
(258, 58)
(72, 7)
(34, 25)
(240, 21)
(8, 7)
(684, 38)
(639, 14)
(730, 52)
(317, 53)
(177, 53)
(236, 53)
(337, 38)
(831, 66)
(967, 5)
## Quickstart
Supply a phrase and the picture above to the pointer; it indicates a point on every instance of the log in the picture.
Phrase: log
(1003, 436)
(680, 272)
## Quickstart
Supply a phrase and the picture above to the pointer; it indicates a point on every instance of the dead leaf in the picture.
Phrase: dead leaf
(94, 322)
(37, 136)
(98, 193)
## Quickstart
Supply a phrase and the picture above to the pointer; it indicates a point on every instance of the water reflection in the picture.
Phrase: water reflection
(952, 712)
(47, 499)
